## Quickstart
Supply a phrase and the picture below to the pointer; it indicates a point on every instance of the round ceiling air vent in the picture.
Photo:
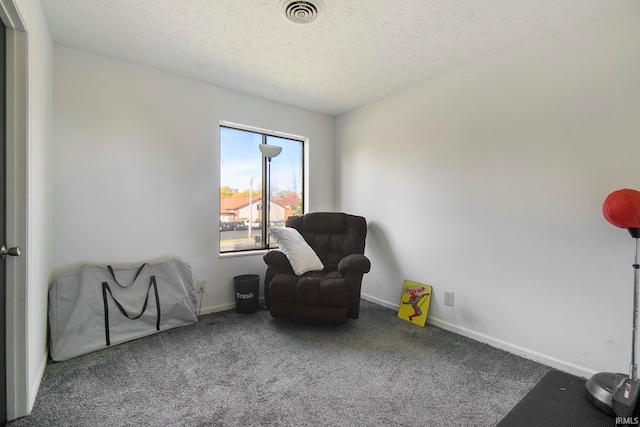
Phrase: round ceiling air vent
(301, 12)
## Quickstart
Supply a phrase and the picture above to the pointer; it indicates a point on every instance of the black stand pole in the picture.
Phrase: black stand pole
(633, 368)
(266, 202)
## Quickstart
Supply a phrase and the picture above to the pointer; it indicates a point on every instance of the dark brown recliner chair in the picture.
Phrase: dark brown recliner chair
(333, 294)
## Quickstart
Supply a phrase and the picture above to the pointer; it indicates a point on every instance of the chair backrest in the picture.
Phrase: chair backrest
(332, 235)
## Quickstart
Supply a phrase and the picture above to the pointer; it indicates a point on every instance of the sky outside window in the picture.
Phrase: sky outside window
(241, 160)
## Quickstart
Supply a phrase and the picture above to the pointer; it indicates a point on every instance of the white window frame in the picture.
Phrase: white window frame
(305, 178)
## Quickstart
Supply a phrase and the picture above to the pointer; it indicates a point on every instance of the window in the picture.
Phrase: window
(243, 178)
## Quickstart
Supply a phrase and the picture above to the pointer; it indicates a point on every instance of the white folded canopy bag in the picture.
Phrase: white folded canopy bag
(96, 306)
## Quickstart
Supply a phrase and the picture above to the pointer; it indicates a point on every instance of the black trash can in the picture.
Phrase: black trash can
(246, 287)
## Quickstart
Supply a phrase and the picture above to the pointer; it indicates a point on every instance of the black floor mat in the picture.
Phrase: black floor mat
(559, 399)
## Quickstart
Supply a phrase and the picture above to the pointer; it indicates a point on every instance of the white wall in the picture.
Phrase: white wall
(489, 182)
(136, 174)
(29, 175)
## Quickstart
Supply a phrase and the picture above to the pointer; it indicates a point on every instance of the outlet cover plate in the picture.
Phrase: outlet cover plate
(448, 298)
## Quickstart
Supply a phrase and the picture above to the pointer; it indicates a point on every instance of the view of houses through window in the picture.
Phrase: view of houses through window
(243, 178)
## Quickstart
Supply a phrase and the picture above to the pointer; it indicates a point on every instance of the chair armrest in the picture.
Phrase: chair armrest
(277, 260)
(354, 263)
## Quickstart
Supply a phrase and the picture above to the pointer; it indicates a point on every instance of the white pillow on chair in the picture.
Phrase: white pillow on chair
(300, 255)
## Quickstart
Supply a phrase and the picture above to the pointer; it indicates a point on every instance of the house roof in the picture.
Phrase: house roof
(230, 204)
(288, 200)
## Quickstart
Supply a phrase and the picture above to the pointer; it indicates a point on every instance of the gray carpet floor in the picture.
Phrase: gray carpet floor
(253, 370)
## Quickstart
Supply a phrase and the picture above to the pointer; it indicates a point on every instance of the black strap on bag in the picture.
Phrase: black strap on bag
(134, 278)
(106, 288)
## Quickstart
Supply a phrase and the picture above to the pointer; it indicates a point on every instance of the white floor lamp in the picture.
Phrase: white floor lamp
(268, 151)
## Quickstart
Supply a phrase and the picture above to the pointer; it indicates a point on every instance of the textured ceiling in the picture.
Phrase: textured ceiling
(357, 51)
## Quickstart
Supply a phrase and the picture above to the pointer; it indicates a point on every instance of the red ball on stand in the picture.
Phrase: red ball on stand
(622, 209)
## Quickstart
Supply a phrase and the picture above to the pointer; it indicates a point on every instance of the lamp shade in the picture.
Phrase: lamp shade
(269, 151)
(622, 208)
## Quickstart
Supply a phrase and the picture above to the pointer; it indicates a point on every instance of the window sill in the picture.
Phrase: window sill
(259, 252)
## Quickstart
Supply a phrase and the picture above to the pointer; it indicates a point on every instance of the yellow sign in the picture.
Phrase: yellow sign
(414, 304)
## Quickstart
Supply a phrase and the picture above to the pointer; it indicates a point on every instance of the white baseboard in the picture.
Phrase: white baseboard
(35, 386)
(221, 307)
(545, 359)
(380, 301)
(216, 308)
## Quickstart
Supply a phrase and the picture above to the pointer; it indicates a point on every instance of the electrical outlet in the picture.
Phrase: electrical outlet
(200, 285)
(448, 298)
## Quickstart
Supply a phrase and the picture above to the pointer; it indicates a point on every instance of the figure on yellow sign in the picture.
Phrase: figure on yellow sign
(416, 299)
